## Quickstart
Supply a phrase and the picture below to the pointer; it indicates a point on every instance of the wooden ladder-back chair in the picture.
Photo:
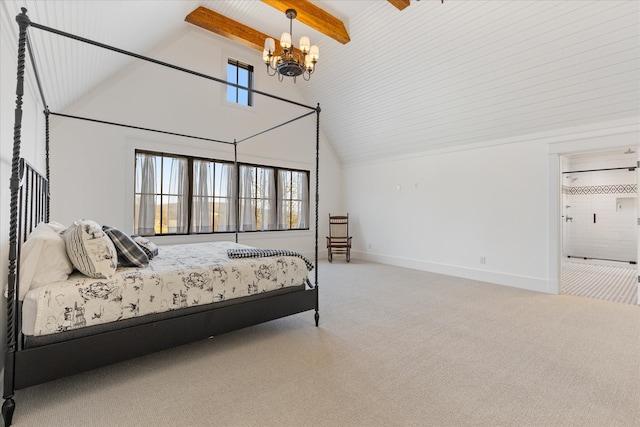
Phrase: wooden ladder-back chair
(339, 240)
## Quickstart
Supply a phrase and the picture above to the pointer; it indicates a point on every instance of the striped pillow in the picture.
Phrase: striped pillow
(149, 248)
(90, 250)
(129, 253)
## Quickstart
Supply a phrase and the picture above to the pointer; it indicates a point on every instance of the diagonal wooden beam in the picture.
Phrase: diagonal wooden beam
(314, 17)
(400, 4)
(227, 27)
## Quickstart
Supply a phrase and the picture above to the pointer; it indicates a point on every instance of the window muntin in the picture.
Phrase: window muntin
(241, 74)
(187, 195)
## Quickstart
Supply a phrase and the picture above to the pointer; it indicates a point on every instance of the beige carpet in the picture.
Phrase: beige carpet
(395, 347)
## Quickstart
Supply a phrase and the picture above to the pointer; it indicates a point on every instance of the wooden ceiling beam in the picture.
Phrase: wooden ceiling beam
(227, 27)
(314, 17)
(400, 4)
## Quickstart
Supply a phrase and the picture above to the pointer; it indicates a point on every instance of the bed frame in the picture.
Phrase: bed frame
(29, 205)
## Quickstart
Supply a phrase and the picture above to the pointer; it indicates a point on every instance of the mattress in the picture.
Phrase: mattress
(180, 276)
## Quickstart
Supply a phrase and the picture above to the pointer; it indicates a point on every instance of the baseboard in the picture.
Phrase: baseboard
(521, 282)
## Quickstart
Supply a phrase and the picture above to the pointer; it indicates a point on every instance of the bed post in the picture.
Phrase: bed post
(46, 149)
(317, 315)
(237, 189)
(9, 359)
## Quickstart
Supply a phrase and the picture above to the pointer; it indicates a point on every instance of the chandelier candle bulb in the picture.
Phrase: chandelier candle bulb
(270, 45)
(304, 44)
(285, 40)
(314, 53)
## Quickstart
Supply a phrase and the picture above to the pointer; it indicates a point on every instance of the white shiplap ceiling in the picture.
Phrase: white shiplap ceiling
(431, 76)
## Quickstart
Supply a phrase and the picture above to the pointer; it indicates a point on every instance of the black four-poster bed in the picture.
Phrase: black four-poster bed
(25, 364)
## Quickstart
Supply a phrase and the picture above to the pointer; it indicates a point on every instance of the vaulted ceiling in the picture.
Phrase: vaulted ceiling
(410, 76)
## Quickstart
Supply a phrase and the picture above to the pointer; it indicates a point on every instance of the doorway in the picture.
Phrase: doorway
(599, 228)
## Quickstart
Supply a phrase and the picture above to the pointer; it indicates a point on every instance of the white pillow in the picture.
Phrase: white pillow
(90, 249)
(43, 259)
(57, 227)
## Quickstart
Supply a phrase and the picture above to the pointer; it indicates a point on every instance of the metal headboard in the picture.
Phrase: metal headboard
(33, 208)
(33, 200)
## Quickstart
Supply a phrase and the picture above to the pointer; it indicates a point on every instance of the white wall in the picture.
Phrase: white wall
(446, 212)
(92, 164)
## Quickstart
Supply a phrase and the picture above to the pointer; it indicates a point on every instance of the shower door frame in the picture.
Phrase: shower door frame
(590, 252)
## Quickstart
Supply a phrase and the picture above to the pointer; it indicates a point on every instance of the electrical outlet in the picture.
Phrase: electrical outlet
(483, 260)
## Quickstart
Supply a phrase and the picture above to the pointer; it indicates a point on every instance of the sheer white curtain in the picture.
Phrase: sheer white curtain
(146, 183)
(283, 194)
(200, 211)
(257, 199)
(177, 222)
(247, 200)
(267, 196)
(293, 199)
(303, 207)
(225, 191)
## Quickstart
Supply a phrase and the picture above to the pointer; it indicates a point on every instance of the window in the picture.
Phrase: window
(161, 193)
(187, 195)
(294, 193)
(242, 75)
(213, 202)
(257, 198)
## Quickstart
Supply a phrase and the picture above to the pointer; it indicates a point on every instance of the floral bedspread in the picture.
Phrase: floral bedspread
(179, 276)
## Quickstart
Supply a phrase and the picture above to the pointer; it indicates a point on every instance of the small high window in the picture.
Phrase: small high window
(242, 75)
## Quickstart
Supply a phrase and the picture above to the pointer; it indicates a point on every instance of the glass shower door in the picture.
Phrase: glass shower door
(600, 215)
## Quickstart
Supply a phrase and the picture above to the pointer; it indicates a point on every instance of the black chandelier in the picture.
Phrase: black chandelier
(289, 63)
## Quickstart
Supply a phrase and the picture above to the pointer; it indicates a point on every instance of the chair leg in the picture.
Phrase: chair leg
(348, 254)
(330, 255)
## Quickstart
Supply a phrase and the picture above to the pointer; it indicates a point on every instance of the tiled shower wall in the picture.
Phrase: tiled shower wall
(599, 207)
